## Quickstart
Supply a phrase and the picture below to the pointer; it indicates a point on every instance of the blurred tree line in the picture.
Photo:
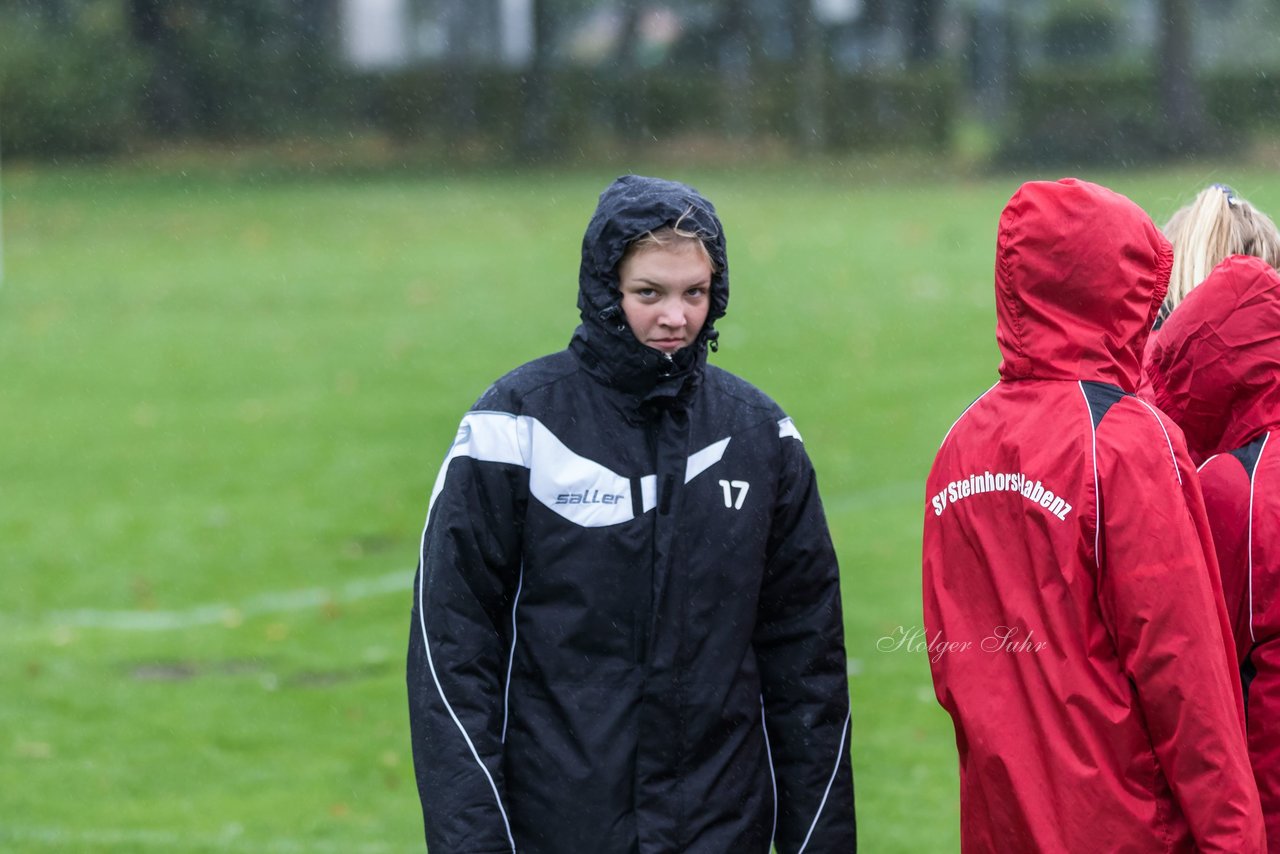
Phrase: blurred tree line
(100, 75)
(1055, 79)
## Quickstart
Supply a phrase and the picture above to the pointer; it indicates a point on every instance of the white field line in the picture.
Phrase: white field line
(400, 582)
(225, 612)
(234, 839)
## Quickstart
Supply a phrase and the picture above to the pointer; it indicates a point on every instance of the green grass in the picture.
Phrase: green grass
(226, 398)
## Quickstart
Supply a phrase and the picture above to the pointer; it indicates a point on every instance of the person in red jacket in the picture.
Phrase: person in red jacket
(1075, 618)
(1216, 372)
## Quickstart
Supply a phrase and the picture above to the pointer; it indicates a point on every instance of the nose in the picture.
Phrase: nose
(673, 315)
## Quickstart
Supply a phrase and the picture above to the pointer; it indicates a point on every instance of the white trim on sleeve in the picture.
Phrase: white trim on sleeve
(1253, 478)
(1167, 440)
(1097, 499)
(834, 771)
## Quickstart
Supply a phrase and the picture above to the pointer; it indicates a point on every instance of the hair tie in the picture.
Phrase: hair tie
(1232, 198)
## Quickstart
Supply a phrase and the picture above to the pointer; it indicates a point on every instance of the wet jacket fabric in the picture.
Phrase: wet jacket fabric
(1216, 371)
(1078, 637)
(627, 631)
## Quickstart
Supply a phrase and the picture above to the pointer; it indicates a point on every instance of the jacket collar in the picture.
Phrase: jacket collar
(648, 379)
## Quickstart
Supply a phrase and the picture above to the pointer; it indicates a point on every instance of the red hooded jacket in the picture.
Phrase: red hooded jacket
(1077, 634)
(1216, 371)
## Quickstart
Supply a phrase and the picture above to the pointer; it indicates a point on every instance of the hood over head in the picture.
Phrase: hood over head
(629, 208)
(1215, 369)
(1080, 275)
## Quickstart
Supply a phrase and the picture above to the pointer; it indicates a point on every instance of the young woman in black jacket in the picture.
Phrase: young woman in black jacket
(627, 632)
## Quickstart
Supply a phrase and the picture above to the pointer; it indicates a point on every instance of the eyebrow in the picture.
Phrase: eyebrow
(699, 283)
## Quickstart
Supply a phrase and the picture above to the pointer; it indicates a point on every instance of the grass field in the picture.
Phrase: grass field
(225, 399)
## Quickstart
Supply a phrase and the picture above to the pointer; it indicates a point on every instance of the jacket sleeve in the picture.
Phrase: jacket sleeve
(459, 637)
(799, 645)
(1161, 598)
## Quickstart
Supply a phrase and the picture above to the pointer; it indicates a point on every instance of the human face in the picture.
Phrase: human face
(666, 293)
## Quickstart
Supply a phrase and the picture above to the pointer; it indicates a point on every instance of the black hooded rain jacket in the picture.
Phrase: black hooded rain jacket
(627, 634)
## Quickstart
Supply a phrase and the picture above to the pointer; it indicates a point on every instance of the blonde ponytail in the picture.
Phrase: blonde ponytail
(1216, 224)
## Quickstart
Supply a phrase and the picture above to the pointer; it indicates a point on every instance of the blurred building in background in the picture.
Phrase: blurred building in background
(379, 34)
